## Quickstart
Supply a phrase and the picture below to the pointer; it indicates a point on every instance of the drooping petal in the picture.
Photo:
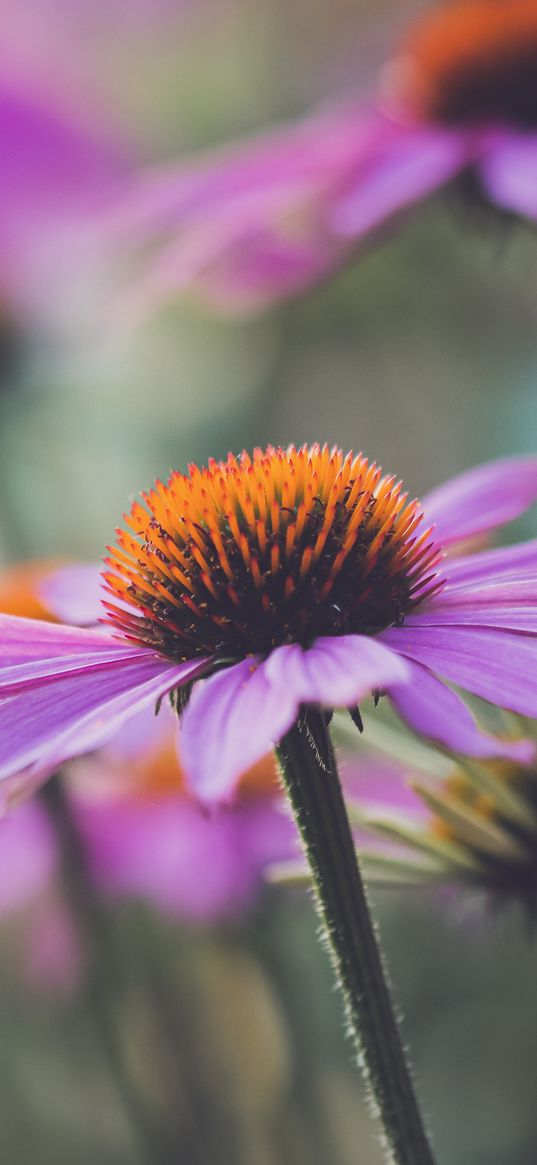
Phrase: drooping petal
(435, 711)
(482, 499)
(336, 671)
(232, 720)
(235, 717)
(508, 172)
(73, 713)
(73, 593)
(498, 665)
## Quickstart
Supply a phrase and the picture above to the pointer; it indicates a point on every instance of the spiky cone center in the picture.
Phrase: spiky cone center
(471, 61)
(281, 547)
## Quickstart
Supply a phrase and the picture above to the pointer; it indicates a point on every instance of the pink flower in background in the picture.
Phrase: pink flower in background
(58, 168)
(146, 838)
(44, 935)
(290, 578)
(270, 217)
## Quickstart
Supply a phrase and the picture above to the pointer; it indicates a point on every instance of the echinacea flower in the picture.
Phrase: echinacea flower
(273, 216)
(262, 584)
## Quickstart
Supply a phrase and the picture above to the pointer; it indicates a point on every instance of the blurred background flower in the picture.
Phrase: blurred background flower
(274, 216)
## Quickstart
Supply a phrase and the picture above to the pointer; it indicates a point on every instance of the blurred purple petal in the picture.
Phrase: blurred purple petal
(232, 720)
(28, 856)
(508, 172)
(274, 215)
(482, 499)
(403, 164)
(188, 863)
(378, 783)
(73, 593)
(497, 665)
(55, 170)
(335, 672)
(433, 710)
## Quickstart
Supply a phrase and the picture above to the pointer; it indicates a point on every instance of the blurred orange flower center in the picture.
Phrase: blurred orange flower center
(472, 61)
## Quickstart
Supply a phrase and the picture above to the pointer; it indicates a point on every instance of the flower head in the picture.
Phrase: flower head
(278, 548)
(275, 215)
(267, 584)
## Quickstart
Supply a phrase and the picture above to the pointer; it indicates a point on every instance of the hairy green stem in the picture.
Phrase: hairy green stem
(310, 777)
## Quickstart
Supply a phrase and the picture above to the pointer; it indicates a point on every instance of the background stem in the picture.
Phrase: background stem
(310, 777)
(104, 984)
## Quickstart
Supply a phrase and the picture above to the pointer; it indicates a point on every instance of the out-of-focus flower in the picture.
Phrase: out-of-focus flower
(288, 579)
(269, 218)
(57, 169)
(470, 821)
(42, 932)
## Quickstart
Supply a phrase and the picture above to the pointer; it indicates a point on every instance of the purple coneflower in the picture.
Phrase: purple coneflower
(275, 215)
(263, 584)
(262, 592)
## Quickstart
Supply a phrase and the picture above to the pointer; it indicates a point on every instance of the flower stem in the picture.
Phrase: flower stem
(311, 779)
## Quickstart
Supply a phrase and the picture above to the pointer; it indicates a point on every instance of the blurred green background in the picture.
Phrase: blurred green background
(423, 355)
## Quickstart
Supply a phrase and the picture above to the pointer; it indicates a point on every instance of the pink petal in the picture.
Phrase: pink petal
(510, 603)
(500, 666)
(435, 711)
(232, 720)
(492, 565)
(73, 713)
(509, 172)
(337, 672)
(25, 642)
(482, 499)
(402, 165)
(28, 856)
(187, 863)
(73, 593)
(376, 783)
(235, 717)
